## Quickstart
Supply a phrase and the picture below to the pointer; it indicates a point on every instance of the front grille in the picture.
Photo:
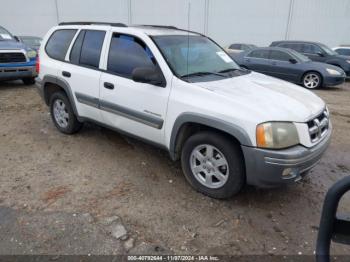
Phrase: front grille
(318, 126)
(13, 57)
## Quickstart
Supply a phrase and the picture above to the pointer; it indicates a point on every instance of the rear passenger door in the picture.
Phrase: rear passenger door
(137, 108)
(83, 72)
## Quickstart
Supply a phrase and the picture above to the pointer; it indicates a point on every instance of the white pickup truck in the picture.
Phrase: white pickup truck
(181, 91)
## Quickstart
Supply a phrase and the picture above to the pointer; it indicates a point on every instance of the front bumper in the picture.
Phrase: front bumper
(13, 73)
(333, 80)
(265, 168)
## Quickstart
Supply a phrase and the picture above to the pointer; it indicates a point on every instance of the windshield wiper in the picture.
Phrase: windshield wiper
(230, 70)
(203, 74)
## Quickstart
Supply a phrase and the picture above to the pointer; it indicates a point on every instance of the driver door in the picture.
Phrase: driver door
(136, 108)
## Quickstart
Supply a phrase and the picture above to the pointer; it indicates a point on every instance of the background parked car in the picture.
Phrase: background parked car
(317, 52)
(292, 66)
(31, 41)
(342, 50)
(238, 48)
(17, 61)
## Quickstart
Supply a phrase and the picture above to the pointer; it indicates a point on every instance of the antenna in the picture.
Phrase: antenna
(188, 34)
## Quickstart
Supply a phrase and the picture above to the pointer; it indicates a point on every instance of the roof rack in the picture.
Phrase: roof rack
(161, 26)
(93, 23)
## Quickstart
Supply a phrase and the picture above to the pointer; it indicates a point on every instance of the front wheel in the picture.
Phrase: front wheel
(312, 80)
(213, 165)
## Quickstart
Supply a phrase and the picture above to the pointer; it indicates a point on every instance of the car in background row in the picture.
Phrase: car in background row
(238, 48)
(317, 52)
(17, 61)
(292, 66)
(342, 50)
(31, 41)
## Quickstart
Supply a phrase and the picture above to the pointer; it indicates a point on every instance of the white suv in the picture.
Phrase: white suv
(181, 91)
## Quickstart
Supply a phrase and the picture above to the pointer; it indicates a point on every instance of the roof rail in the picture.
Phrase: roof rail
(161, 26)
(93, 23)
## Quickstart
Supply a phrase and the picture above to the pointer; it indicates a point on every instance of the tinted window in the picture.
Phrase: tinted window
(59, 42)
(294, 46)
(76, 49)
(235, 46)
(127, 53)
(259, 54)
(311, 49)
(343, 51)
(91, 48)
(279, 55)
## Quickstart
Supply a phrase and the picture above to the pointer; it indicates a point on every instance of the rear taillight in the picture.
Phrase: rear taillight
(37, 64)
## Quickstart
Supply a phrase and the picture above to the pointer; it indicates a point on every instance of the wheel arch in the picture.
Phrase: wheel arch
(189, 123)
(52, 84)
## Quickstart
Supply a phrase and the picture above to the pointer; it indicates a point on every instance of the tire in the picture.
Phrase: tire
(232, 178)
(29, 81)
(312, 80)
(62, 114)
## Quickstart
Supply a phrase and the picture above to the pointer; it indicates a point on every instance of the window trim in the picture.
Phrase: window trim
(68, 49)
(139, 39)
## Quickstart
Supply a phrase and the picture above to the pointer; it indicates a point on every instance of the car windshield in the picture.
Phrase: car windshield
(194, 55)
(327, 49)
(299, 56)
(5, 35)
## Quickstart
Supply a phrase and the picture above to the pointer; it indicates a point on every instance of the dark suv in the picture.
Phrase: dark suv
(317, 52)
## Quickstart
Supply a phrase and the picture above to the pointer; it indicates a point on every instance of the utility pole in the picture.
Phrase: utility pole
(57, 12)
(290, 19)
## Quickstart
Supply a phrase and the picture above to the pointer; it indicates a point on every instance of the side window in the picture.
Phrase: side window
(91, 49)
(76, 49)
(279, 55)
(59, 42)
(343, 51)
(127, 53)
(259, 54)
(311, 49)
(235, 46)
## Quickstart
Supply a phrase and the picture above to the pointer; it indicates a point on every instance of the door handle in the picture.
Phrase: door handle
(274, 63)
(66, 74)
(108, 85)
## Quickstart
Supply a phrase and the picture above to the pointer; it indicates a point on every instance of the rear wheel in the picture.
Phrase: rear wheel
(312, 80)
(29, 80)
(63, 115)
(213, 165)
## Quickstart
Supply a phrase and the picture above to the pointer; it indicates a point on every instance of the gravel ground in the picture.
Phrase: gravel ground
(98, 192)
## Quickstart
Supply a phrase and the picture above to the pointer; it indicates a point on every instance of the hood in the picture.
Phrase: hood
(12, 45)
(267, 98)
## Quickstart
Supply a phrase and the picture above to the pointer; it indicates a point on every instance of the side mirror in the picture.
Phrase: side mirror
(321, 54)
(333, 227)
(17, 38)
(293, 61)
(148, 75)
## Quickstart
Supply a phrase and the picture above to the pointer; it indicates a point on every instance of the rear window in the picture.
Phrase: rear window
(59, 42)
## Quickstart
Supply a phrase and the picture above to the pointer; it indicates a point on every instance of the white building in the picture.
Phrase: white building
(226, 21)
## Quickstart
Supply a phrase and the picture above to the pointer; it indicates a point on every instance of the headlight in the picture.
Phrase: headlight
(348, 61)
(276, 135)
(333, 72)
(31, 54)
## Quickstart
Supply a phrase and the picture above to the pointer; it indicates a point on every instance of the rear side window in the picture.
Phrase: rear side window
(91, 49)
(279, 55)
(294, 46)
(76, 49)
(127, 53)
(259, 54)
(59, 42)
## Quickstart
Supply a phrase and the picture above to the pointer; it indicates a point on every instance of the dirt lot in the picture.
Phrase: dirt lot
(77, 194)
